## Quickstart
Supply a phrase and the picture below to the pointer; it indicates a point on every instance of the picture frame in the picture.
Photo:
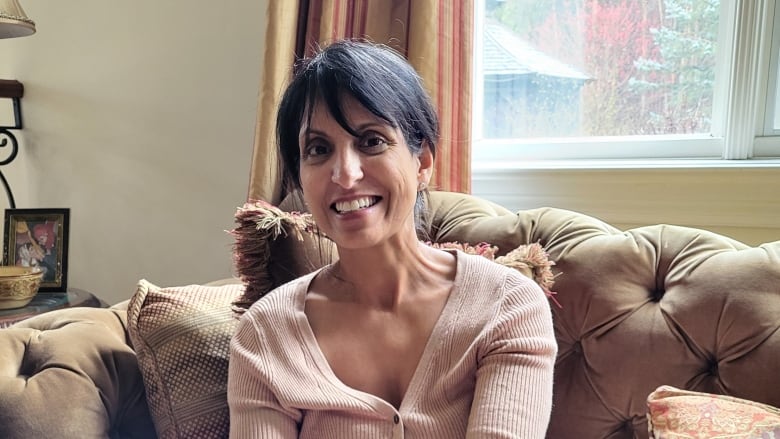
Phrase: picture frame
(39, 237)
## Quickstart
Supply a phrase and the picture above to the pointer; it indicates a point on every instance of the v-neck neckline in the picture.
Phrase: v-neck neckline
(438, 334)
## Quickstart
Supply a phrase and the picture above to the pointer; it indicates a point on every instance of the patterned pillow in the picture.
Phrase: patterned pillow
(181, 336)
(677, 414)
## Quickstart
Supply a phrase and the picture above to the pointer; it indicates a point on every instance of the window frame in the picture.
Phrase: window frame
(743, 110)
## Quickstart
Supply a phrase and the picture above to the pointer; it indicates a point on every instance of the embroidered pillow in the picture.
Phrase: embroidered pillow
(677, 414)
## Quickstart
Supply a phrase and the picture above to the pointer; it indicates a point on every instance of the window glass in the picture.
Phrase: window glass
(773, 105)
(594, 68)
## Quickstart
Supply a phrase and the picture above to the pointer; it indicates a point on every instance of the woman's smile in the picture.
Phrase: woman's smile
(343, 207)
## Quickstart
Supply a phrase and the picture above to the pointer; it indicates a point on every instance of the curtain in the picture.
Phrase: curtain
(434, 35)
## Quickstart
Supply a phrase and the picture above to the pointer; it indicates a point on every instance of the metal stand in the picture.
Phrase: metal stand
(14, 90)
(6, 136)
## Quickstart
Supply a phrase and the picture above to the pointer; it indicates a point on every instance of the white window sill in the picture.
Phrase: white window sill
(633, 164)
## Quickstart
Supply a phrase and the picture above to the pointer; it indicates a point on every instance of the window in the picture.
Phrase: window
(626, 79)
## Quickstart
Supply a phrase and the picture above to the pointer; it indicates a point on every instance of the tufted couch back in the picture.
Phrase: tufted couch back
(640, 308)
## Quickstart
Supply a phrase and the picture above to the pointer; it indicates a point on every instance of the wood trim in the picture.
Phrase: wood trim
(11, 88)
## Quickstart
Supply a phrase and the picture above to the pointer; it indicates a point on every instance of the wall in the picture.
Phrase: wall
(139, 117)
(740, 202)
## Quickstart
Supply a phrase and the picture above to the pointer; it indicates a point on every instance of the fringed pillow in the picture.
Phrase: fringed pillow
(273, 247)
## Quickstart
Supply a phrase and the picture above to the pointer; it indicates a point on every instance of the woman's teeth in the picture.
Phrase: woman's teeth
(351, 206)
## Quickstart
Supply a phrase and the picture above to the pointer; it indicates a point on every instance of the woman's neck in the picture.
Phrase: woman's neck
(386, 277)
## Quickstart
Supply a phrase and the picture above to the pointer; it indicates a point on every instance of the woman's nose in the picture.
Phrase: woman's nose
(347, 169)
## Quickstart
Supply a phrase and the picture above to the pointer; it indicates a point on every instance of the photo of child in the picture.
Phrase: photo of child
(34, 247)
(38, 238)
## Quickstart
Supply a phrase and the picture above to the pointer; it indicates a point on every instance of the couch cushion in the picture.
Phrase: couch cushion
(181, 336)
(674, 413)
(69, 373)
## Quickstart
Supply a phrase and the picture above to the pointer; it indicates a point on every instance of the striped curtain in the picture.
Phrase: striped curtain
(434, 35)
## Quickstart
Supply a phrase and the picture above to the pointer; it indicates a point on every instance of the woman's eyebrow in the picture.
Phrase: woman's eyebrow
(372, 125)
(312, 132)
(308, 132)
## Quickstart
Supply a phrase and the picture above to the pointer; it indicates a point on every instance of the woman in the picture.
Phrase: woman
(396, 339)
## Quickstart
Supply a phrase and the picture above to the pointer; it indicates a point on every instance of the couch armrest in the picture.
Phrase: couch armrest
(71, 373)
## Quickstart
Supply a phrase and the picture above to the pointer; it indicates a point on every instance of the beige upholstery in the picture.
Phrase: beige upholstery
(641, 308)
(71, 374)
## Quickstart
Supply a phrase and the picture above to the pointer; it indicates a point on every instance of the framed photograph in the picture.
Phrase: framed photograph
(39, 237)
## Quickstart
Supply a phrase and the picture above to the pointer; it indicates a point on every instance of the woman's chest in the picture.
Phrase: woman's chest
(374, 351)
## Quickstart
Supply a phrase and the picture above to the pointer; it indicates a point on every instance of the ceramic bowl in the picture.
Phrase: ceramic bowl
(18, 285)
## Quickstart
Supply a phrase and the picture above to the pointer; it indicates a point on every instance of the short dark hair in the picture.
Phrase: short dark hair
(373, 74)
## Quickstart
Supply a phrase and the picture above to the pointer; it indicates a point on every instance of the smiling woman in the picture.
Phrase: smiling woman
(357, 348)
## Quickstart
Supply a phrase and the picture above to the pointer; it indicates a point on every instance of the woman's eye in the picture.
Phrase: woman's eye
(374, 143)
(316, 150)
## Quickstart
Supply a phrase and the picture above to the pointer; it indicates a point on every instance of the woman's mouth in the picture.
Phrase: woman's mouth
(354, 205)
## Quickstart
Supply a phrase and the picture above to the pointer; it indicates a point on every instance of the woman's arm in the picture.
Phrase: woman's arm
(513, 394)
(255, 411)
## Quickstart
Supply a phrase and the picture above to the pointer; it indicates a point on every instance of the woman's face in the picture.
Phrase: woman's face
(361, 190)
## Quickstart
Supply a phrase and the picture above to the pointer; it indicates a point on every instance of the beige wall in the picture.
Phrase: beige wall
(139, 117)
(740, 202)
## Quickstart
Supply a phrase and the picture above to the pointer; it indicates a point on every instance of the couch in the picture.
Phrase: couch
(654, 306)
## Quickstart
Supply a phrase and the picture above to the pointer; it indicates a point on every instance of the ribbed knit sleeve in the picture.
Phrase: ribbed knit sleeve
(255, 411)
(514, 378)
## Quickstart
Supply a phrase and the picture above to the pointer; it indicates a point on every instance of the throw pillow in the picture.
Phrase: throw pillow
(181, 336)
(273, 247)
(677, 414)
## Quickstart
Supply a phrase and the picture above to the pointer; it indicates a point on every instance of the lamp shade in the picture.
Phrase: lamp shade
(13, 20)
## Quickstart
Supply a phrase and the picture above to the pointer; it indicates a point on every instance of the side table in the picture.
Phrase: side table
(49, 301)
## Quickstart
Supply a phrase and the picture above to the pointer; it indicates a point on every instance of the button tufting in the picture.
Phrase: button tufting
(713, 367)
(657, 294)
(396, 419)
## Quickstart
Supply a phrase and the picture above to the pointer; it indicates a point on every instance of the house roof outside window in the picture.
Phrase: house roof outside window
(504, 53)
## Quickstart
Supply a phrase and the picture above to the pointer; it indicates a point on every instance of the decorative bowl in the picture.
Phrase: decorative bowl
(18, 285)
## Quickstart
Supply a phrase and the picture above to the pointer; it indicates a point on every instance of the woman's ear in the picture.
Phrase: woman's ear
(425, 160)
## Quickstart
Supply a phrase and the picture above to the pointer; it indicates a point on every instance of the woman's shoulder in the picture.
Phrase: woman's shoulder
(477, 267)
(282, 301)
(496, 299)
(486, 277)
